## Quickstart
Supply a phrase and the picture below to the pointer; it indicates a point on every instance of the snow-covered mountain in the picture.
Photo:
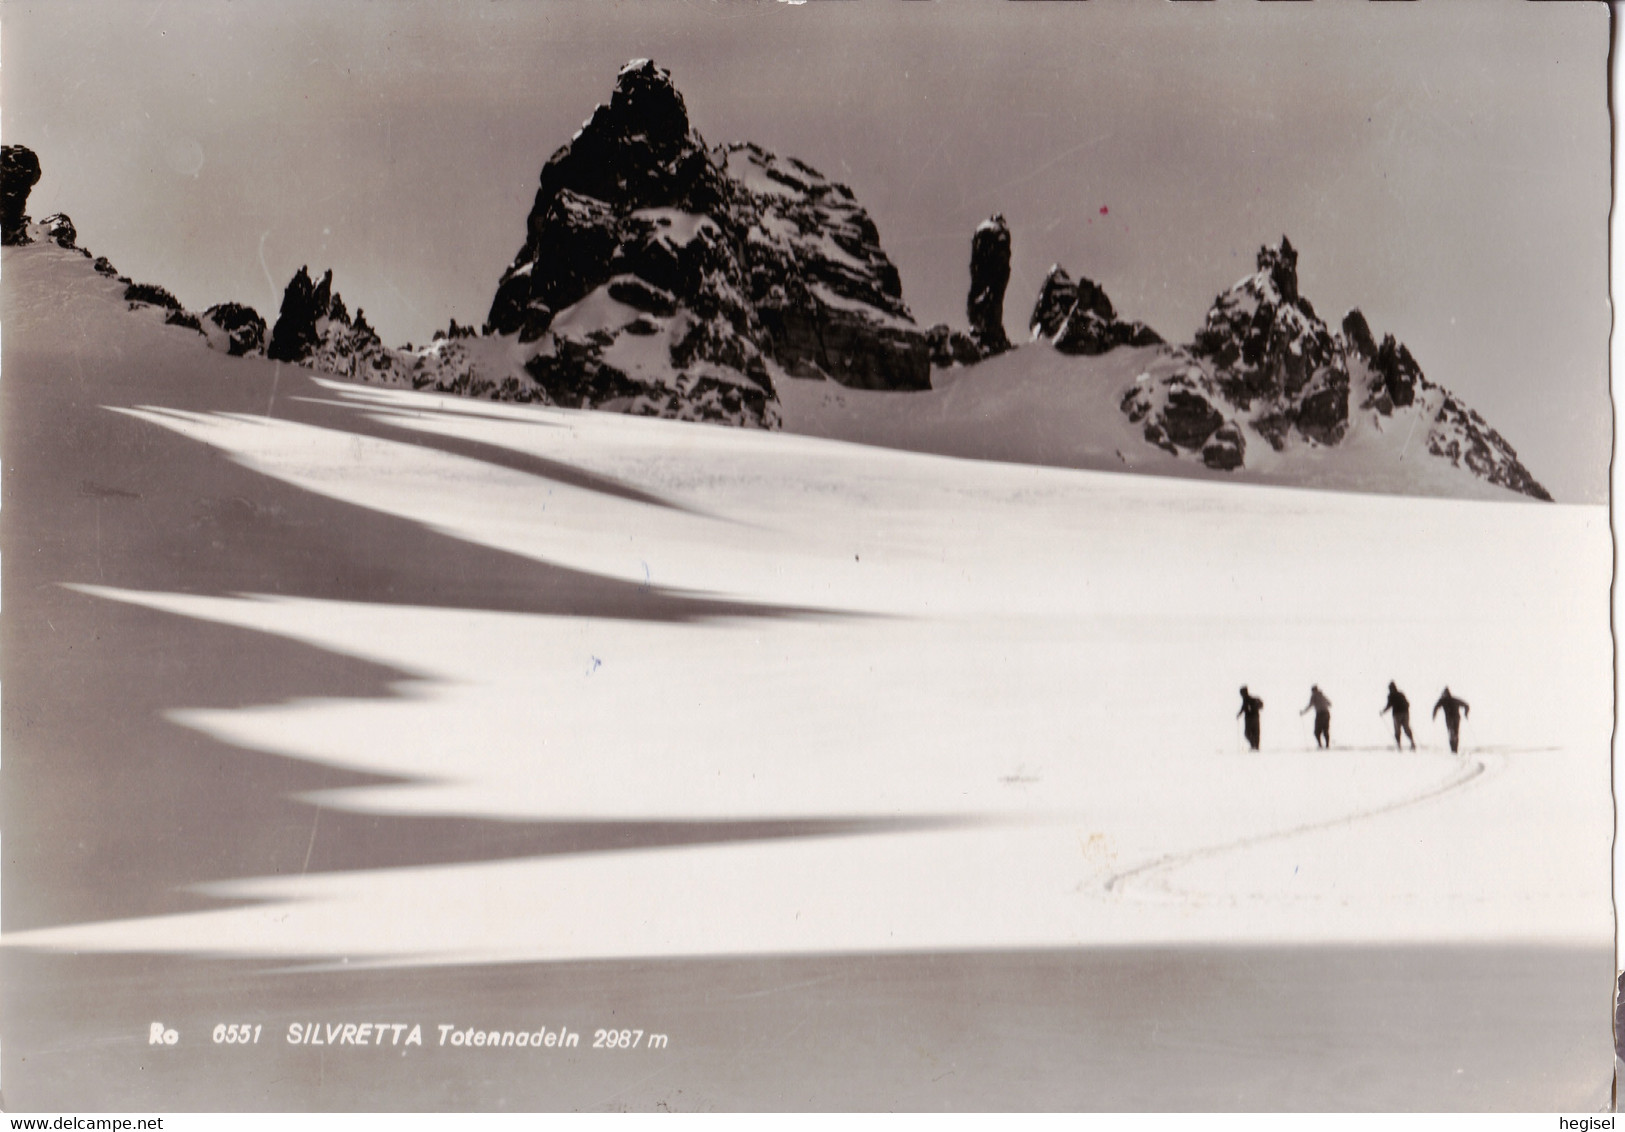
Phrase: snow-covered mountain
(1267, 386)
(662, 276)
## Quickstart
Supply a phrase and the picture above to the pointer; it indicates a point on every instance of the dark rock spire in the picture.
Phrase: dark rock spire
(989, 275)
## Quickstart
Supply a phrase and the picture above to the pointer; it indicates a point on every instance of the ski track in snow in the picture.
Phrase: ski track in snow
(1119, 882)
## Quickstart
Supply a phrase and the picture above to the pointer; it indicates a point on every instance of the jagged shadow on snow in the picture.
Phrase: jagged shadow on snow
(170, 514)
(347, 841)
(109, 809)
(371, 422)
(126, 810)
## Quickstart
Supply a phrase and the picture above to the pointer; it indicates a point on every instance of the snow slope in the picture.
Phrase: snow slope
(999, 698)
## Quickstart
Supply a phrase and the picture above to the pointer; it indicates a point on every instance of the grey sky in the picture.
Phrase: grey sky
(1443, 166)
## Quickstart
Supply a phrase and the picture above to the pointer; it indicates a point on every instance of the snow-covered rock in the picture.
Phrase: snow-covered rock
(1079, 319)
(1273, 357)
(1268, 362)
(1390, 385)
(235, 328)
(828, 297)
(59, 229)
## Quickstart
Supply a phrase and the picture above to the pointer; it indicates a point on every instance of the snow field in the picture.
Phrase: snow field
(1045, 659)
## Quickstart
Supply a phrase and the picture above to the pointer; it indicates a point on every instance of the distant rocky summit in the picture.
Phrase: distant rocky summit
(662, 276)
(1387, 380)
(1264, 364)
(1273, 357)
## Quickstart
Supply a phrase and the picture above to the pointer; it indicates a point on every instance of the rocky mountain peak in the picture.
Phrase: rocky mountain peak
(662, 276)
(645, 101)
(636, 149)
(305, 303)
(1273, 357)
(1280, 263)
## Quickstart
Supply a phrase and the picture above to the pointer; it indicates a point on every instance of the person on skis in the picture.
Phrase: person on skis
(1401, 707)
(1454, 709)
(1251, 706)
(1322, 708)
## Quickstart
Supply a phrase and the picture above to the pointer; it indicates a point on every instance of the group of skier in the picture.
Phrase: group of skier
(1398, 707)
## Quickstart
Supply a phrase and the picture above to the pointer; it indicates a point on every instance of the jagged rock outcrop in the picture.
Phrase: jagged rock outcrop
(19, 173)
(1357, 334)
(1395, 374)
(1079, 319)
(1273, 357)
(989, 275)
(1182, 412)
(296, 334)
(314, 329)
(237, 328)
(662, 276)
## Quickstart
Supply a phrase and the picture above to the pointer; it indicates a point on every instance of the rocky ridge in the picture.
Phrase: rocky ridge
(660, 276)
(1264, 365)
(1388, 380)
(232, 327)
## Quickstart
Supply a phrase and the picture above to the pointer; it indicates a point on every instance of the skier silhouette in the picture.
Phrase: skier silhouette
(1401, 707)
(1323, 715)
(1454, 709)
(1251, 705)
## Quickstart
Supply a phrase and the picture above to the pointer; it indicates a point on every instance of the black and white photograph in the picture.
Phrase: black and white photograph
(709, 555)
